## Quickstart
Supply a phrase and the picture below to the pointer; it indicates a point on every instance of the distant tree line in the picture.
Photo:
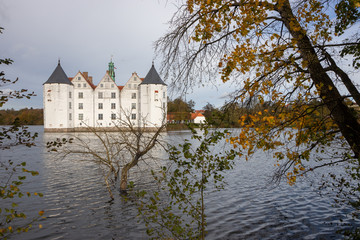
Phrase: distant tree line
(226, 116)
(230, 114)
(24, 116)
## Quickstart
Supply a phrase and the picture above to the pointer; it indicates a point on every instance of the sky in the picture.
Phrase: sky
(84, 35)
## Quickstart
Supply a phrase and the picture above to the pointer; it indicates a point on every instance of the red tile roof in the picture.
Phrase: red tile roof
(196, 114)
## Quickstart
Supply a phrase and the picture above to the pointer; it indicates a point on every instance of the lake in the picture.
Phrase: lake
(77, 206)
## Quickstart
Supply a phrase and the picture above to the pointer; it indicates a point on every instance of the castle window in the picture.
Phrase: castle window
(133, 106)
(100, 106)
(70, 106)
(81, 116)
(101, 85)
(113, 116)
(79, 85)
(84, 85)
(133, 116)
(135, 86)
(164, 105)
(100, 116)
(156, 96)
(113, 95)
(81, 106)
(69, 94)
(81, 95)
(100, 95)
(163, 94)
(133, 95)
(112, 85)
(70, 116)
(113, 105)
(79, 78)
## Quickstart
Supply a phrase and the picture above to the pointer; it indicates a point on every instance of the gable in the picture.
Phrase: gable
(80, 81)
(106, 83)
(133, 82)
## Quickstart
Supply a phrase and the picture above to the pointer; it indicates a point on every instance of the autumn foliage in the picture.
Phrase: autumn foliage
(282, 52)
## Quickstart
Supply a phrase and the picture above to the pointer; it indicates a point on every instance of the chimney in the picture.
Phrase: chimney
(90, 79)
(85, 75)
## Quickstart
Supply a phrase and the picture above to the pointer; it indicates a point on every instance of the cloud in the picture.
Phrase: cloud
(84, 34)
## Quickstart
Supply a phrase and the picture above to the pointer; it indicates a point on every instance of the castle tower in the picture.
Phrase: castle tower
(112, 70)
(58, 102)
(153, 101)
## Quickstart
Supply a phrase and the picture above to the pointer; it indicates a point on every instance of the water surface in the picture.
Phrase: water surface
(77, 204)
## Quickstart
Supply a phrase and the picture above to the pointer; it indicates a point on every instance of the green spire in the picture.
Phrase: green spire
(111, 70)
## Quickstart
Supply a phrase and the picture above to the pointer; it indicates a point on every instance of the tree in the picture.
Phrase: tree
(279, 52)
(13, 174)
(121, 148)
(179, 105)
(283, 52)
(179, 110)
(211, 114)
(185, 179)
(191, 105)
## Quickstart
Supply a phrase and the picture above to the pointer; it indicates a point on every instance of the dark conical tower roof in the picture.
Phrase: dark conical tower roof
(153, 77)
(58, 76)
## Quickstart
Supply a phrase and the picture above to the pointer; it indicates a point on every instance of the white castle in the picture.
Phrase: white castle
(73, 104)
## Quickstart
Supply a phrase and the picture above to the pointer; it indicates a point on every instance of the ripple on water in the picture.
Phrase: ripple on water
(77, 206)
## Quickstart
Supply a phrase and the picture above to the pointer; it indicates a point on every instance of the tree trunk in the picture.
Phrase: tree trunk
(108, 185)
(125, 171)
(341, 114)
(124, 178)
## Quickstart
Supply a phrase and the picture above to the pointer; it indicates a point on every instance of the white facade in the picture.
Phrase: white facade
(153, 103)
(199, 119)
(58, 112)
(72, 104)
